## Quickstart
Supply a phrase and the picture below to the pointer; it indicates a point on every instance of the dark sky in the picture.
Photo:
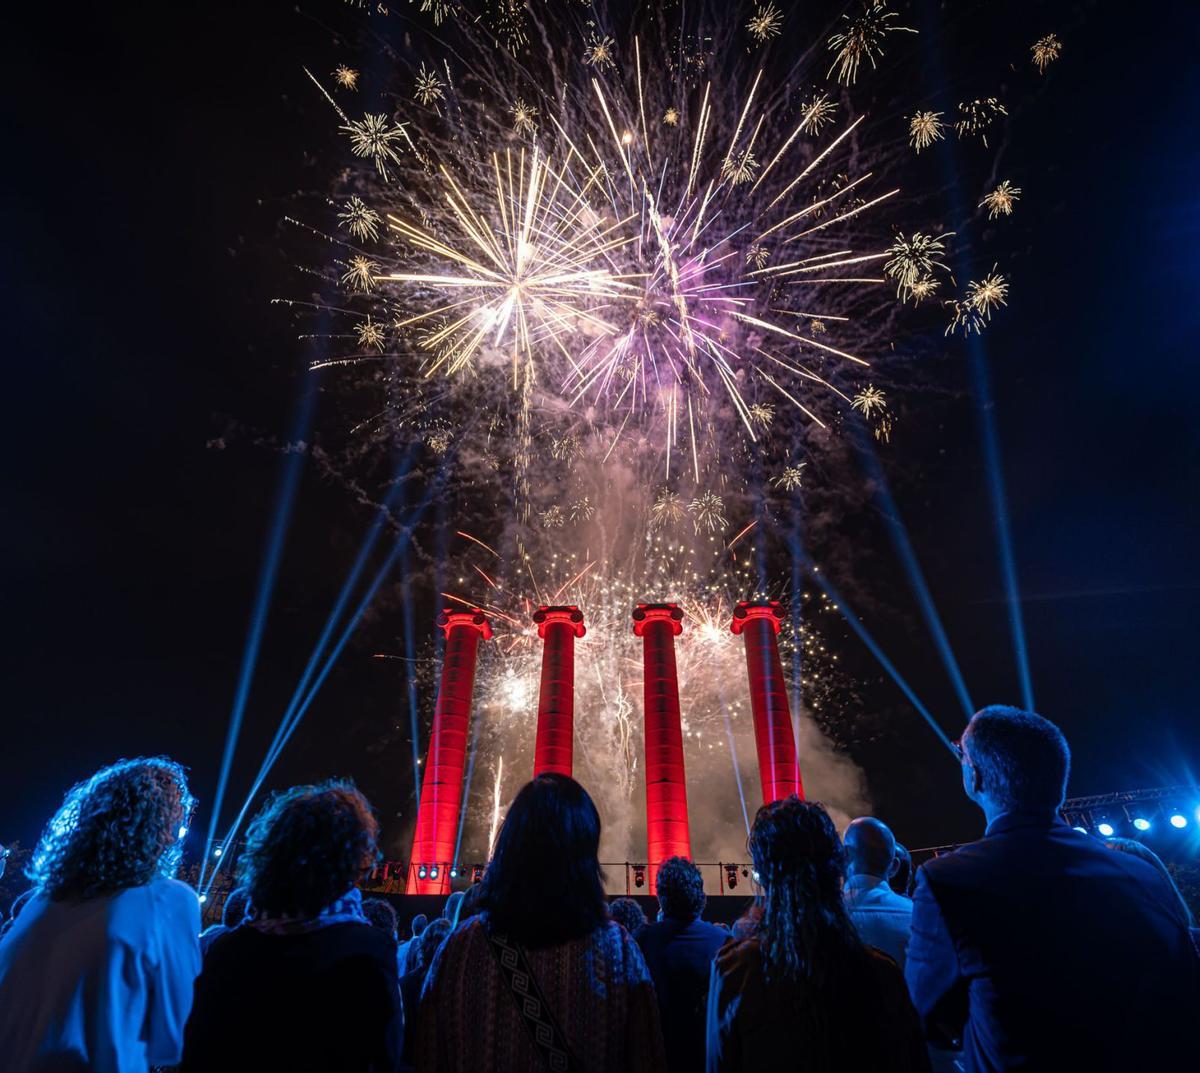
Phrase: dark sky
(149, 157)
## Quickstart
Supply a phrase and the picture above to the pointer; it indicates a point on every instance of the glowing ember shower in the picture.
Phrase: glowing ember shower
(778, 769)
(558, 627)
(666, 789)
(441, 786)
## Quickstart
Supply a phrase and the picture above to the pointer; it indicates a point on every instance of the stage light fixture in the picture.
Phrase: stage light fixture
(454, 871)
(639, 875)
(203, 898)
(217, 852)
(422, 872)
(1141, 823)
(731, 876)
(433, 872)
(183, 832)
(477, 874)
(1106, 829)
(1178, 819)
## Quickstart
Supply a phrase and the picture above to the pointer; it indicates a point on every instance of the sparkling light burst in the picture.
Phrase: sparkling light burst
(1045, 50)
(765, 23)
(1000, 201)
(346, 77)
(360, 219)
(924, 129)
(862, 38)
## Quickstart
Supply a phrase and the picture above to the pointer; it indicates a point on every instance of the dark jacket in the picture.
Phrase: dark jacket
(1043, 950)
(320, 1000)
(679, 955)
(859, 1018)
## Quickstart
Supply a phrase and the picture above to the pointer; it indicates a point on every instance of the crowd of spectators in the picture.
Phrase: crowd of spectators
(1036, 947)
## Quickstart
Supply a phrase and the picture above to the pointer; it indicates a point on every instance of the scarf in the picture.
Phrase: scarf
(344, 910)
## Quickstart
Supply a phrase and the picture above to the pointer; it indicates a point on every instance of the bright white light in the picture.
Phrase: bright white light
(1178, 819)
(217, 852)
(1106, 829)
(203, 898)
(183, 832)
(1141, 823)
(1081, 830)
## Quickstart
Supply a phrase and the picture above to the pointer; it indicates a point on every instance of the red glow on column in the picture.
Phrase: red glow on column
(778, 768)
(558, 627)
(666, 789)
(441, 784)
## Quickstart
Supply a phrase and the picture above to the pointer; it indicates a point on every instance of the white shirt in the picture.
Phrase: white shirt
(103, 984)
(883, 917)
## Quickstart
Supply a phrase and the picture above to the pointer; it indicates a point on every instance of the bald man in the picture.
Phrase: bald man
(882, 916)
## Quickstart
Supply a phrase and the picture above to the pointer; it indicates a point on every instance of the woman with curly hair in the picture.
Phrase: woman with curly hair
(97, 971)
(305, 981)
(798, 981)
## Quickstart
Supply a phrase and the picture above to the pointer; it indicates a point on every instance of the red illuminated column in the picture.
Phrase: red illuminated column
(778, 769)
(666, 791)
(557, 627)
(441, 786)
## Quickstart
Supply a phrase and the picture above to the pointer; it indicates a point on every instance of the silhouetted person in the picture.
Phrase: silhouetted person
(882, 916)
(627, 913)
(1037, 946)
(411, 983)
(96, 972)
(679, 950)
(305, 983)
(418, 925)
(381, 914)
(542, 978)
(901, 879)
(233, 912)
(802, 986)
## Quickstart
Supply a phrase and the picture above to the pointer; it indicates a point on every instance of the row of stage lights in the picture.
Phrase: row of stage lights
(433, 871)
(1108, 822)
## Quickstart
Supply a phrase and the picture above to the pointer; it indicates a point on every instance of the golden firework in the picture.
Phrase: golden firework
(360, 219)
(765, 23)
(429, 88)
(862, 39)
(924, 129)
(1045, 51)
(360, 274)
(346, 77)
(816, 112)
(1000, 201)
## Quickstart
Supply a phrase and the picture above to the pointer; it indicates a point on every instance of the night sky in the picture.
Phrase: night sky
(150, 155)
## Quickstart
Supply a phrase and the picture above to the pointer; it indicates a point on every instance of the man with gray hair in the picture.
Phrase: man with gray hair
(1037, 947)
(882, 916)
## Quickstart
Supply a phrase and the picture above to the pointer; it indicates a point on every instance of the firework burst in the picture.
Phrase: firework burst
(977, 117)
(429, 88)
(668, 509)
(346, 77)
(765, 23)
(1045, 50)
(708, 513)
(790, 478)
(862, 38)
(924, 129)
(359, 219)
(913, 260)
(816, 113)
(361, 274)
(1000, 201)
(870, 401)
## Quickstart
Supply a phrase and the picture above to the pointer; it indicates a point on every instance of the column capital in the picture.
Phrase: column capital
(567, 614)
(771, 610)
(644, 614)
(448, 619)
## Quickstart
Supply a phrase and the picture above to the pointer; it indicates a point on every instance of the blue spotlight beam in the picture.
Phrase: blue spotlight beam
(886, 503)
(990, 438)
(268, 573)
(827, 587)
(299, 709)
(934, 70)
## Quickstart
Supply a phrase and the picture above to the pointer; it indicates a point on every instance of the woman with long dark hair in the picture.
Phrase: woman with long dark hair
(799, 981)
(305, 981)
(542, 978)
(96, 973)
